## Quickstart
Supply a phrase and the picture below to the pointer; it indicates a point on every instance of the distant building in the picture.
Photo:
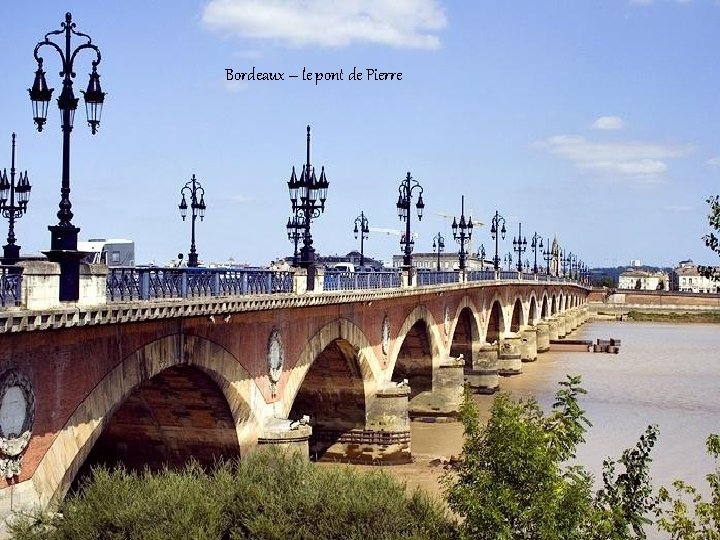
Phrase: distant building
(643, 280)
(448, 262)
(686, 278)
(635, 263)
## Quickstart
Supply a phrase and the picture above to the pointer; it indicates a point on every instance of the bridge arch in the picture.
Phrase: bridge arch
(517, 321)
(465, 331)
(554, 305)
(496, 326)
(532, 310)
(544, 311)
(418, 351)
(60, 465)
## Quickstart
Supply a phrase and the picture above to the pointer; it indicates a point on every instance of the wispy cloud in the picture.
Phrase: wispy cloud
(242, 199)
(398, 23)
(235, 86)
(629, 159)
(713, 162)
(608, 122)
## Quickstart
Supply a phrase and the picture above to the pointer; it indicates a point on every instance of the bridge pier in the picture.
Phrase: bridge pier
(553, 329)
(528, 349)
(483, 375)
(543, 337)
(287, 435)
(561, 328)
(446, 395)
(509, 356)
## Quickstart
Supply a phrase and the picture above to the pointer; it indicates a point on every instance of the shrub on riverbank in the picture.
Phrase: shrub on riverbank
(268, 495)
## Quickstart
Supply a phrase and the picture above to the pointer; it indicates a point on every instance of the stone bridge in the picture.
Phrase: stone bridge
(339, 374)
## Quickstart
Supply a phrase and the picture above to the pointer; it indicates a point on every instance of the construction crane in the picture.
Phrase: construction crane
(393, 232)
(447, 216)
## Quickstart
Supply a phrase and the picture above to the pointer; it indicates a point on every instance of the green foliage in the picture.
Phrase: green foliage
(514, 482)
(269, 495)
(712, 241)
(687, 515)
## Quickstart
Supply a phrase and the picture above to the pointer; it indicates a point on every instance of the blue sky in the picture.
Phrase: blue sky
(592, 120)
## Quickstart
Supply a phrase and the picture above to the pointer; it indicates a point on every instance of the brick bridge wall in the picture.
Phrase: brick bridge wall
(86, 368)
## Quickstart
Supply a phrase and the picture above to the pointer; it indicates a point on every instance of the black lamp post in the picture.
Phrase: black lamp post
(293, 232)
(564, 260)
(519, 247)
(438, 246)
(508, 260)
(193, 189)
(405, 191)
(362, 228)
(462, 232)
(573, 266)
(497, 220)
(11, 209)
(63, 236)
(481, 256)
(536, 244)
(307, 197)
(547, 255)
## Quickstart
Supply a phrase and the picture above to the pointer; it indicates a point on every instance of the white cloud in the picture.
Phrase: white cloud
(628, 159)
(608, 122)
(713, 162)
(399, 23)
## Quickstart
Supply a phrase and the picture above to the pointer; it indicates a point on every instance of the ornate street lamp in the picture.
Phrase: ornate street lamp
(307, 197)
(481, 256)
(462, 232)
(438, 246)
(294, 225)
(362, 228)
(536, 244)
(519, 247)
(495, 231)
(508, 260)
(564, 260)
(547, 255)
(63, 236)
(193, 188)
(405, 191)
(11, 208)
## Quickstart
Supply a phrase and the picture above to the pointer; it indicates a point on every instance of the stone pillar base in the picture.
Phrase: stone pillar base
(543, 337)
(362, 446)
(280, 434)
(528, 349)
(509, 357)
(483, 375)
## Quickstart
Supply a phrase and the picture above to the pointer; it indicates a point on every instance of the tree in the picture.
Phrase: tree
(696, 518)
(513, 481)
(712, 241)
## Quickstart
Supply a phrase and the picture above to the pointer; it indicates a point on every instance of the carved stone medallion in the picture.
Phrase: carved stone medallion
(275, 358)
(17, 415)
(385, 335)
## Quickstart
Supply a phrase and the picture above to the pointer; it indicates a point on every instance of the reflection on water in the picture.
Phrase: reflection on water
(665, 374)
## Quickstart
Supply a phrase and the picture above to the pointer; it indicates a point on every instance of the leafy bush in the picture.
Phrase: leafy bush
(269, 495)
(513, 481)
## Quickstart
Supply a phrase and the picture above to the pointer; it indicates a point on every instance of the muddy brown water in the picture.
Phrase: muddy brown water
(666, 374)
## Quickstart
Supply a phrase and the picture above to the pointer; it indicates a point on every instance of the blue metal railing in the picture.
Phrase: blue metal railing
(347, 281)
(10, 285)
(124, 283)
(436, 278)
(145, 283)
(481, 275)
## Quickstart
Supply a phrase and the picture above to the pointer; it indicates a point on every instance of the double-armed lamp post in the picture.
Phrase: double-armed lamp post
(64, 235)
(307, 197)
(362, 229)
(438, 246)
(519, 247)
(405, 197)
(497, 228)
(294, 226)
(14, 198)
(547, 255)
(462, 232)
(536, 244)
(196, 193)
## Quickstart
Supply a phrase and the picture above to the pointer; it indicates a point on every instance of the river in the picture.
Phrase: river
(665, 374)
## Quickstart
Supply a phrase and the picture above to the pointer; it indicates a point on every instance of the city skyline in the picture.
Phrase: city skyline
(589, 122)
